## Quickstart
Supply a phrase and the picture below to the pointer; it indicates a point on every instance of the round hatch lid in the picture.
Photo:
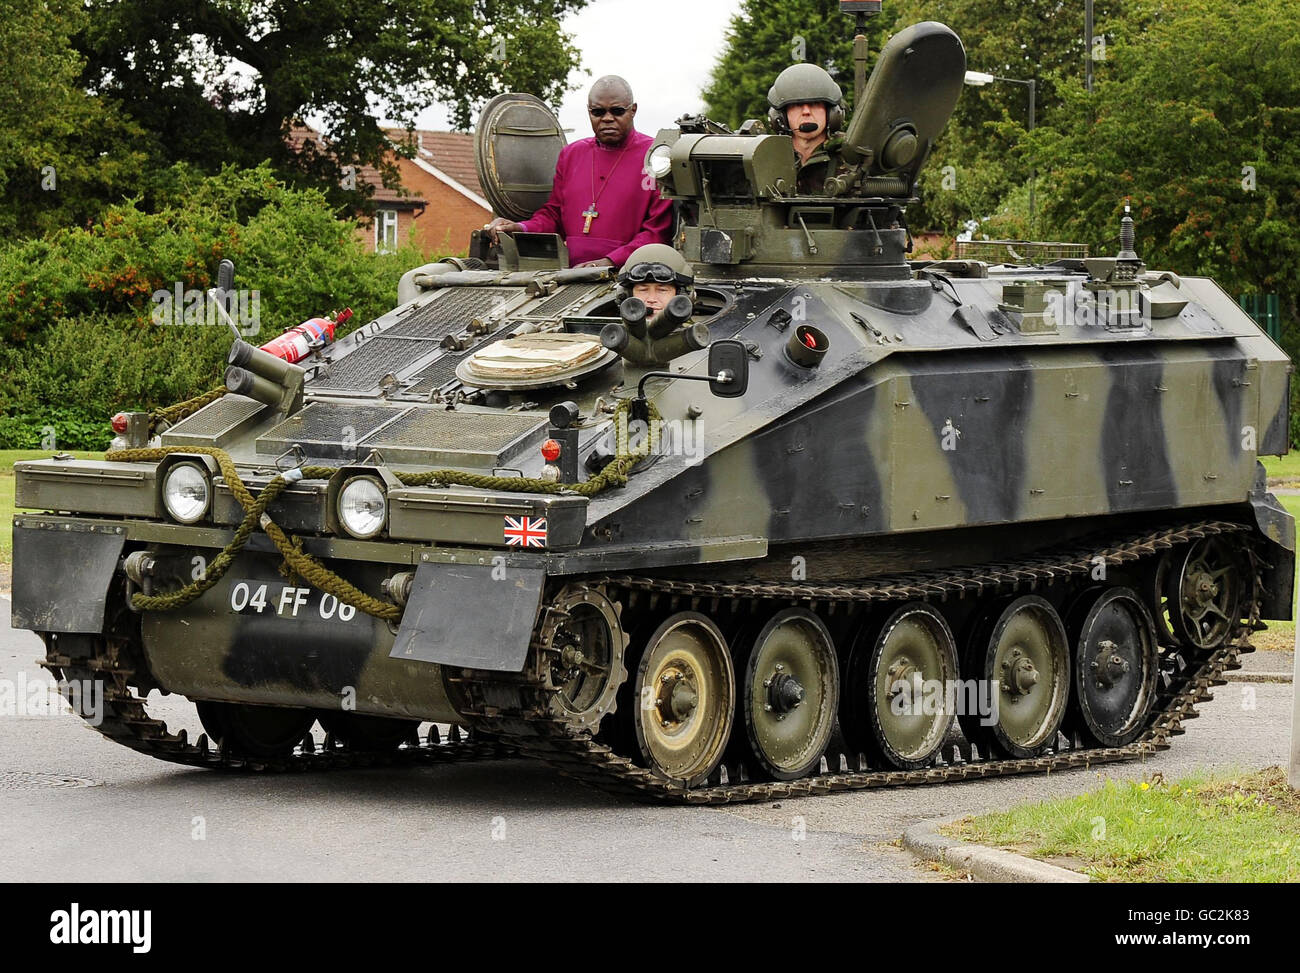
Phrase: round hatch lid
(516, 144)
(533, 361)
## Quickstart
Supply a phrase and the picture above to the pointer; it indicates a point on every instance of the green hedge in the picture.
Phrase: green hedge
(79, 336)
(63, 428)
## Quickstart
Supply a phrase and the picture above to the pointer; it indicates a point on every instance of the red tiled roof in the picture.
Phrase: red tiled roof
(382, 194)
(450, 152)
(300, 135)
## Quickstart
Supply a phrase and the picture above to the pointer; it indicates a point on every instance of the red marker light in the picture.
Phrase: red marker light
(809, 340)
(119, 422)
(550, 450)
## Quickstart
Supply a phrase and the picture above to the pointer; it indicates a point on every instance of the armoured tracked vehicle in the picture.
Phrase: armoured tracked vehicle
(898, 522)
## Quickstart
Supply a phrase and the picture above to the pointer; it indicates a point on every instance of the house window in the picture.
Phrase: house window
(385, 230)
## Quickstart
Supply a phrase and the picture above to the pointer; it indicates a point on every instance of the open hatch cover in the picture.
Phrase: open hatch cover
(515, 147)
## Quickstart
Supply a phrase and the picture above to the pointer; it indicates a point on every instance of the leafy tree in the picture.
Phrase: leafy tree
(87, 319)
(1198, 122)
(61, 151)
(222, 81)
(1039, 40)
(767, 36)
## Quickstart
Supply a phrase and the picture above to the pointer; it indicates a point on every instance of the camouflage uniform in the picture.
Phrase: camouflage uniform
(823, 163)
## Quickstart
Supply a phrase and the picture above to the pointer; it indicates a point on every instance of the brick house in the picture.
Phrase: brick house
(439, 198)
(445, 203)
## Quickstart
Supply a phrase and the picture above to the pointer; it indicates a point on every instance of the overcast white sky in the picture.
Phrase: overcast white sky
(665, 49)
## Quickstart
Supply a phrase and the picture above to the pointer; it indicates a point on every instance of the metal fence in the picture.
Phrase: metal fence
(1266, 309)
(1018, 251)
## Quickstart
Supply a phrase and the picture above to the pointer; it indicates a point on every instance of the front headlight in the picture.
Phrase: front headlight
(186, 492)
(363, 508)
(661, 161)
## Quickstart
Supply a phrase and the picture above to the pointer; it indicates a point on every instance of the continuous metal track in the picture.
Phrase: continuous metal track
(126, 721)
(533, 731)
(512, 715)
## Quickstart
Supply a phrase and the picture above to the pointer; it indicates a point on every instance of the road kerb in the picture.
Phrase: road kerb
(986, 864)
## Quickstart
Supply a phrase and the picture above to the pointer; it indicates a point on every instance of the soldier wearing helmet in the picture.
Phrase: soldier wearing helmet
(656, 273)
(808, 105)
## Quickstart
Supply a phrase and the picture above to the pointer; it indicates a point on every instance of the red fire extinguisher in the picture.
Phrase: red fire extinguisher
(297, 343)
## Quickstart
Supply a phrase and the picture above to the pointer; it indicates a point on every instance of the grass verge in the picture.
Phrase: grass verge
(8, 457)
(1283, 470)
(1243, 828)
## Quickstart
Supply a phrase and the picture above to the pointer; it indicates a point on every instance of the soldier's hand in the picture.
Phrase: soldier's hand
(501, 225)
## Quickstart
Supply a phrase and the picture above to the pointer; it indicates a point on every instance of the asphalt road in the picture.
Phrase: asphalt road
(503, 820)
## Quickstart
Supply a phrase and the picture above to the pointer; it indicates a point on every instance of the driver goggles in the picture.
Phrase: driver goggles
(659, 273)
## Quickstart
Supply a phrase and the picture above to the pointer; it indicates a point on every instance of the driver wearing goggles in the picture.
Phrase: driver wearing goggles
(656, 273)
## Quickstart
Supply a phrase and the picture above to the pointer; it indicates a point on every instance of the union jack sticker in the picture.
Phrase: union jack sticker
(525, 532)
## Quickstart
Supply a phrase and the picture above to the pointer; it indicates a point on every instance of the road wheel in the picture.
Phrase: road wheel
(789, 693)
(255, 731)
(1116, 663)
(376, 733)
(685, 698)
(886, 713)
(1156, 587)
(1020, 652)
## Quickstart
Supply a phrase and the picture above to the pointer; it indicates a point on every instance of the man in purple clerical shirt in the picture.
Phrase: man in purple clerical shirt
(602, 201)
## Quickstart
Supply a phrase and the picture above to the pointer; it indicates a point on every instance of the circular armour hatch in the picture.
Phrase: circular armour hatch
(516, 144)
(535, 361)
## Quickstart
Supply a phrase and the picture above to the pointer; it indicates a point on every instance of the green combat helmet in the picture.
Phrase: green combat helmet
(656, 262)
(801, 83)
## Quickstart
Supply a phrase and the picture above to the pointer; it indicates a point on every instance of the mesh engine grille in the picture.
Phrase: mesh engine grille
(214, 419)
(363, 367)
(323, 429)
(565, 298)
(438, 429)
(443, 370)
(451, 312)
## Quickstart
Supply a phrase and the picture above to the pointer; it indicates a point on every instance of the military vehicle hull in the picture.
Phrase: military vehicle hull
(914, 463)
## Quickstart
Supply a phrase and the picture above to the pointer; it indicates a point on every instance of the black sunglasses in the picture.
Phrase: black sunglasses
(618, 111)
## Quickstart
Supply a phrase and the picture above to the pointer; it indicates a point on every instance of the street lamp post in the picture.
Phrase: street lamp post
(1087, 43)
(977, 79)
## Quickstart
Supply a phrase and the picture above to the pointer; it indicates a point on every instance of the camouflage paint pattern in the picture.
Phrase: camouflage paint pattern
(938, 425)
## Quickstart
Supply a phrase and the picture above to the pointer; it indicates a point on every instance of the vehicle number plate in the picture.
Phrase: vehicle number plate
(272, 598)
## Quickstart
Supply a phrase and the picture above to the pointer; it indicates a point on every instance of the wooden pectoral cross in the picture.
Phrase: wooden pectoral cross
(590, 214)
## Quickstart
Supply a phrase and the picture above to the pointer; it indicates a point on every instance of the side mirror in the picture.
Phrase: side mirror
(728, 368)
